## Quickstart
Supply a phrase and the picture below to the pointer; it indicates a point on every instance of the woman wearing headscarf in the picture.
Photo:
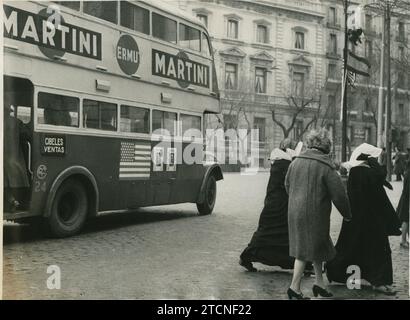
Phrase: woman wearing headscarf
(313, 184)
(364, 241)
(270, 243)
(403, 209)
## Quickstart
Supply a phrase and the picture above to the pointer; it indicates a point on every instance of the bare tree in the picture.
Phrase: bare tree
(234, 117)
(310, 103)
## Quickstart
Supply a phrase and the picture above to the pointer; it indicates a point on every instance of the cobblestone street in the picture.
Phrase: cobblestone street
(167, 253)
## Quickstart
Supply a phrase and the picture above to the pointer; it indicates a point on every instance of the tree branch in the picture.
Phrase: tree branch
(285, 133)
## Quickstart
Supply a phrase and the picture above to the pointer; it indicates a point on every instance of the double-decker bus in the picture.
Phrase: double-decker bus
(111, 96)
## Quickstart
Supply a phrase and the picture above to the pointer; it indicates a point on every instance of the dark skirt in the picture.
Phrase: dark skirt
(403, 207)
(375, 267)
(364, 241)
(270, 243)
(270, 256)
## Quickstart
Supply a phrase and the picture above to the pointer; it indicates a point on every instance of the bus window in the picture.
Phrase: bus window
(75, 5)
(163, 122)
(191, 126)
(100, 115)
(106, 10)
(134, 119)
(134, 17)
(58, 110)
(189, 37)
(206, 46)
(164, 28)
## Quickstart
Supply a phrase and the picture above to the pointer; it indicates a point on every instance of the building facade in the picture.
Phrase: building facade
(279, 66)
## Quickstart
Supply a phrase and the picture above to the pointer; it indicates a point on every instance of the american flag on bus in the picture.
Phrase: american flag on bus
(135, 160)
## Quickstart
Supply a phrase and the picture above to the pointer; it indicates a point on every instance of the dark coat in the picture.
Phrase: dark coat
(399, 163)
(270, 243)
(403, 207)
(273, 221)
(15, 169)
(313, 184)
(364, 240)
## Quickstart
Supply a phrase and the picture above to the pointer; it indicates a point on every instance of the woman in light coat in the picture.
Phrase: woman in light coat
(313, 184)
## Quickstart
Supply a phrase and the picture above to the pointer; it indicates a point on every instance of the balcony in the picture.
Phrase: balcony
(300, 5)
(267, 100)
(401, 120)
(332, 25)
(370, 32)
(261, 98)
(332, 55)
(247, 97)
(368, 116)
(401, 38)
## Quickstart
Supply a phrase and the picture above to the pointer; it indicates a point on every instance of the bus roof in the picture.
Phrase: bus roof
(167, 7)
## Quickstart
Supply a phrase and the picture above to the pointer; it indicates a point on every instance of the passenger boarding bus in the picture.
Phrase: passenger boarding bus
(111, 97)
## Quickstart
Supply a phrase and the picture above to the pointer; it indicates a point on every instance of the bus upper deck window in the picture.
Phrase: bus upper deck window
(106, 10)
(206, 46)
(134, 119)
(189, 37)
(164, 28)
(134, 17)
(164, 122)
(58, 110)
(100, 115)
(75, 5)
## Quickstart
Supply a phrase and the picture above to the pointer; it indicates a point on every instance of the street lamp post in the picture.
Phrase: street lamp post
(344, 89)
(388, 104)
(380, 109)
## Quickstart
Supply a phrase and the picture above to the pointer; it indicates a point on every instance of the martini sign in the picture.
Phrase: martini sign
(50, 33)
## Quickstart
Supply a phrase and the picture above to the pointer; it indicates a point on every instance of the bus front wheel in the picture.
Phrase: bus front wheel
(207, 206)
(69, 209)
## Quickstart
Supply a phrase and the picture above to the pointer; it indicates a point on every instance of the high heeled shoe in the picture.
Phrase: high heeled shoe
(297, 296)
(321, 292)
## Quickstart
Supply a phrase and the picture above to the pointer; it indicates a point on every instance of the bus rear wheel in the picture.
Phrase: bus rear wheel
(207, 206)
(69, 209)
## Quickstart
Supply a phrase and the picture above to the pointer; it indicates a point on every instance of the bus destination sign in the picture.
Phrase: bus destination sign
(53, 145)
(51, 32)
(180, 68)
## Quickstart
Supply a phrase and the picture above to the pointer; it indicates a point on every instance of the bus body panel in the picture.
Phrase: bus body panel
(101, 157)
(84, 84)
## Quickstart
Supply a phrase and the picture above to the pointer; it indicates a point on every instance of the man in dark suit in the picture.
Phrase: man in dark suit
(15, 169)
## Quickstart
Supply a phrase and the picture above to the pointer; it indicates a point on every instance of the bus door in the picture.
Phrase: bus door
(18, 137)
(163, 171)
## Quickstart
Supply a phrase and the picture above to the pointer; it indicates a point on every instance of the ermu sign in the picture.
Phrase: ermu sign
(37, 29)
(180, 68)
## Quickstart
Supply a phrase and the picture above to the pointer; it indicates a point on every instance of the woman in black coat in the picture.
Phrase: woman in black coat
(364, 241)
(270, 243)
(403, 209)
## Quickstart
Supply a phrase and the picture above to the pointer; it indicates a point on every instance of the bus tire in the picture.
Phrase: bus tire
(68, 210)
(207, 206)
